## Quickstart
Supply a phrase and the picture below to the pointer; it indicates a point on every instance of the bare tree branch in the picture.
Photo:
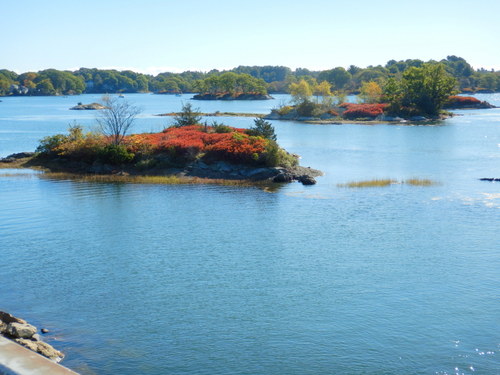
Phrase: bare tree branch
(117, 118)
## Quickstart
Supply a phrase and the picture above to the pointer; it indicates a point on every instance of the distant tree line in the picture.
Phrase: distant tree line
(273, 79)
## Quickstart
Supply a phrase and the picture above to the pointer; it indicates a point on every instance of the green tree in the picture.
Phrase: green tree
(423, 90)
(262, 128)
(187, 116)
(338, 77)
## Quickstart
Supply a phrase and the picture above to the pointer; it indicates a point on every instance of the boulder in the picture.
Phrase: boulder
(42, 348)
(3, 327)
(306, 180)
(8, 318)
(20, 330)
(283, 177)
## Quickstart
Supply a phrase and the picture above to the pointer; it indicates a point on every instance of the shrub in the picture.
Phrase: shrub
(461, 101)
(115, 154)
(221, 128)
(354, 111)
(309, 109)
(285, 110)
(49, 145)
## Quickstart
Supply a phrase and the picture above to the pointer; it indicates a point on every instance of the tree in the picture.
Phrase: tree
(301, 91)
(370, 92)
(423, 90)
(323, 89)
(262, 128)
(338, 77)
(188, 116)
(116, 119)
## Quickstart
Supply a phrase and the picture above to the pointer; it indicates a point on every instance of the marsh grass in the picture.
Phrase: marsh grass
(369, 183)
(151, 180)
(387, 182)
(420, 182)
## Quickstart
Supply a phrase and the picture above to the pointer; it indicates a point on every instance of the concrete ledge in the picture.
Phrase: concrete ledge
(17, 360)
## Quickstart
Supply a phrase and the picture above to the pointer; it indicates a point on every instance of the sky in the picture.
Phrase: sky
(153, 36)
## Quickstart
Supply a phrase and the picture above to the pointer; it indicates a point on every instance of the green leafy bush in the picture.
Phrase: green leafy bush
(115, 155)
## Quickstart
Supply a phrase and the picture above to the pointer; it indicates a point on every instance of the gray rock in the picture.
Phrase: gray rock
(418, 118)
(22, 331)
(44, 330)
(283, 177)
(306, 180)
(36, 337)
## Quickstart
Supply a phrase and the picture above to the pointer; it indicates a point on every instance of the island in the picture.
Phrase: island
(87, 107)
(186, 152)
(422, 94)
(232, 86)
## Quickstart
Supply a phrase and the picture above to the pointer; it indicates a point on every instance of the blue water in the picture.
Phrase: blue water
(152, 279)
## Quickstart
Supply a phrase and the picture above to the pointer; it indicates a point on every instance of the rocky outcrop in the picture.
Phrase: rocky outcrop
(26, 335)
(229, 96)
(88, 107)
(229, 171)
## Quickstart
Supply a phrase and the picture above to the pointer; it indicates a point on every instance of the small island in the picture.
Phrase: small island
(87, 107)
(422, 94)
(232, 86)
(186, 152)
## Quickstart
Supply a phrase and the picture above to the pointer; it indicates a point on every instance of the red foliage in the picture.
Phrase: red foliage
(462, 101)
(235, 145)
(363, 110)
(332, 112)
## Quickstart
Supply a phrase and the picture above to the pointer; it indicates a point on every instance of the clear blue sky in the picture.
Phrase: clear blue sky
(170, 35)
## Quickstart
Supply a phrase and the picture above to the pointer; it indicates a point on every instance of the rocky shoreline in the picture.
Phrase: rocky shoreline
(25, 334)
(217, 170)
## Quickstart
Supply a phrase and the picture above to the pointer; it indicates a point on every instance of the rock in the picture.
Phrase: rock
(45, 330)
(306, 180)
(36, 337)
(3, 327)
(48, 351)
(91, 107)
(418, 118)
(22, 331)
(8, 318)
(42, 348)
(489, 179)
(283, 177)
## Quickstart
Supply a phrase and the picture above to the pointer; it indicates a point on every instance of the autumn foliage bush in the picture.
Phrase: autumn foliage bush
(190, 141)
(362, 110)
(462, 101)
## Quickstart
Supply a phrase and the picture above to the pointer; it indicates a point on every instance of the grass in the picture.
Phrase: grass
(143, 179)
(387, 182)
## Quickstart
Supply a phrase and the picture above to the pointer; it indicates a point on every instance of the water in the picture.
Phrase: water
(151, 279)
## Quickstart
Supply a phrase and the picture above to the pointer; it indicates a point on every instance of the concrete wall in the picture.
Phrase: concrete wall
(17, 360)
